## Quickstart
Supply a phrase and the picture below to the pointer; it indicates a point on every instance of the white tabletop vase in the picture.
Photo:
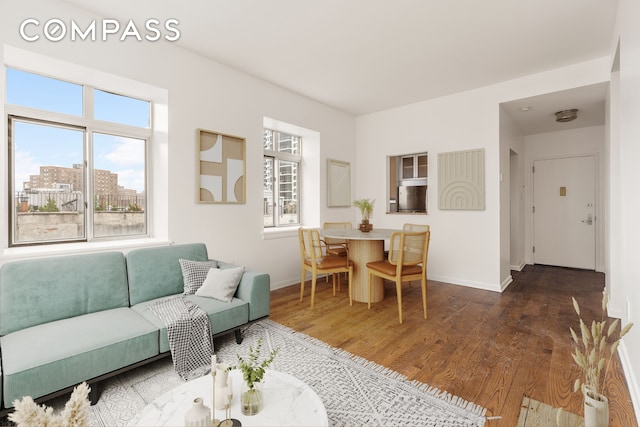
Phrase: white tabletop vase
(199, 415)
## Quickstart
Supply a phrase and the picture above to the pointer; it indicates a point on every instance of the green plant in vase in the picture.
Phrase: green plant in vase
(366, 209)
(253, 371)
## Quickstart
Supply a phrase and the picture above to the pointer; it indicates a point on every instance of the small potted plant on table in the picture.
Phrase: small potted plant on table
(253, 370)
(366, 208)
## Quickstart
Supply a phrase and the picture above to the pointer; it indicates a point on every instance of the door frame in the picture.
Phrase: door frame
(599, 212)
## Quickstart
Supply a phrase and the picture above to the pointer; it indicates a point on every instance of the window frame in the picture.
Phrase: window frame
(89, 125)
(278, 156)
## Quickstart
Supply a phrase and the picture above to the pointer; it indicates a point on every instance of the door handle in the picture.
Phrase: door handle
(589, 220)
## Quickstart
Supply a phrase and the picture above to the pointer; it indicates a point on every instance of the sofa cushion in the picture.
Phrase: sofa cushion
(155, 272)
(223, 316)
(52, 356)
(38, 291)
(221, 284)
(194, 274)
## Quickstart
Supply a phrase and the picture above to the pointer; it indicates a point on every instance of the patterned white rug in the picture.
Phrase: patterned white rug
(355, 391)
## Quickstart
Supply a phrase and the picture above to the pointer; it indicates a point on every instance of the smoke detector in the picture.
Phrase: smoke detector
(566, 115)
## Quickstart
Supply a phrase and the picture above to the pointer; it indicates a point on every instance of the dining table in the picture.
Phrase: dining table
(364, 247)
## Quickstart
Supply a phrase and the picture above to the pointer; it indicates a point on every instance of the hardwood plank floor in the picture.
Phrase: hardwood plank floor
(485, 347)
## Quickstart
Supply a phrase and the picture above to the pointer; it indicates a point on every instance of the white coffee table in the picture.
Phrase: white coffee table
(287, 402)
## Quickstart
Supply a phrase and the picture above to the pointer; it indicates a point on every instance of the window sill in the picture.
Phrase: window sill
(280, 232)
(11, 254)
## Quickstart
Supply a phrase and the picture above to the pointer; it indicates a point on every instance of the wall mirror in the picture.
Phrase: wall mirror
(338, 183)
(407, 179)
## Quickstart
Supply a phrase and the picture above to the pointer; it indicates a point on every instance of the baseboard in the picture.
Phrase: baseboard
(449, 280)
(294, 281)
(518, 267)
(627, 367)
(467, 283)
(506, 283)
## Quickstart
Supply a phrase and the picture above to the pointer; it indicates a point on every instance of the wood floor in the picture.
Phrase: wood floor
(485, 347)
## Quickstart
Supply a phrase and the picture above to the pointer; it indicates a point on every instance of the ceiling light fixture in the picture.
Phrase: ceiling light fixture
(525, 108)
(566, 115)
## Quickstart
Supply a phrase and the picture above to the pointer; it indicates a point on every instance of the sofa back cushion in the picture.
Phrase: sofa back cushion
(37, 291)
(155, 272)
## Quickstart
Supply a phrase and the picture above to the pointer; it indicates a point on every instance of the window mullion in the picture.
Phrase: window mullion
(276, 192)
(89, 183)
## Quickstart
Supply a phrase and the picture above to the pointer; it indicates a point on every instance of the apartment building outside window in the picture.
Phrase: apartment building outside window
(77, 161)
(281, 178)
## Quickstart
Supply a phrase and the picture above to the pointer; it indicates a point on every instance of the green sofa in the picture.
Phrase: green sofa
(69, 319)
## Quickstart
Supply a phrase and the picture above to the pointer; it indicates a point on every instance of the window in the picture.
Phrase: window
(281, 183)
(78, 161)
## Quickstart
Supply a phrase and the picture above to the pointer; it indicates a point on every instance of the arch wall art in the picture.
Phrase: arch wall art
(461, 180)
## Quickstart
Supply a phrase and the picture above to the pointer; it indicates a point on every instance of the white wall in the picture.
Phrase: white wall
(512, 195)
(467, 247)
(574, 142)
(201, 94)
(625, 154)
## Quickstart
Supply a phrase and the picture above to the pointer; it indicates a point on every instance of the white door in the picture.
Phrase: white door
(564, 192)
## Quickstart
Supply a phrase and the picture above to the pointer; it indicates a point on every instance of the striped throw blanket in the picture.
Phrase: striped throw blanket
(189, 332)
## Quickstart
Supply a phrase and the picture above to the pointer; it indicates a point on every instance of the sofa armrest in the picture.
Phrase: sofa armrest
(255, 288)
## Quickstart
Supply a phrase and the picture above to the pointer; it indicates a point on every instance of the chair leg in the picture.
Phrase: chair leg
(424, 297)
(369, 291)
(304, 276)
(350, 288)
(399, 293)
(313, 289)
(334, 283)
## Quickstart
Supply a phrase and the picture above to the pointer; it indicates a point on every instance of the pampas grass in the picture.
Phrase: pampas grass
(75, 413)
(591, 353)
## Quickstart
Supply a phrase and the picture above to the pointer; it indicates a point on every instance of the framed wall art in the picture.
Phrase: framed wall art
(461, 180)
(221, 167)
(338, 183)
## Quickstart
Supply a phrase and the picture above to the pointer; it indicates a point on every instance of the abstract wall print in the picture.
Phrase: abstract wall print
(461, 180)
(222, 168)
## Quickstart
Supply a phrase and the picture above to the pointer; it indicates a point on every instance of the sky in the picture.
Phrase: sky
(41, 145)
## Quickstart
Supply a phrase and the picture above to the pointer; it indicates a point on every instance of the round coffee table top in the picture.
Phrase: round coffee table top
(287, 402)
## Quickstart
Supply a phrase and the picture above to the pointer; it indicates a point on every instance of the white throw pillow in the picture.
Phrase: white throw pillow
(221, 283)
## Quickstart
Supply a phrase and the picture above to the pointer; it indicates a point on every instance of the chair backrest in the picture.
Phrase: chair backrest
(409, 248)
(415, 227)
(309, 239)
(336, 225)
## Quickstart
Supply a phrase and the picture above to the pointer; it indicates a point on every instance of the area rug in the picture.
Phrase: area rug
(355, 391)
(538, 414)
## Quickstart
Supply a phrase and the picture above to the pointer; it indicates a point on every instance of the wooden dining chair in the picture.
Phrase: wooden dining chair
(407, 261)
(337, 246)
(315, 260)
(415, 227)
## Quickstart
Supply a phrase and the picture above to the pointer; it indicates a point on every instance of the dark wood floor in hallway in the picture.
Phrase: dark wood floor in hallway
(485, 347)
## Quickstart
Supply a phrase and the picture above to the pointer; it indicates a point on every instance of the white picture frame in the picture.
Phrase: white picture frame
(338, 183)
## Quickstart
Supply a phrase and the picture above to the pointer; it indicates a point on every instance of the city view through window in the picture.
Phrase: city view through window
(80, 172)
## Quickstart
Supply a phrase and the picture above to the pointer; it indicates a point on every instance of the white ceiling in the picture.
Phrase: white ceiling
(537, 114)
(362, 56)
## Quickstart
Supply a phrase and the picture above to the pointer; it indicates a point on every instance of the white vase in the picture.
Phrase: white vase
(222, 375)
(199, 415)
(596, 408)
